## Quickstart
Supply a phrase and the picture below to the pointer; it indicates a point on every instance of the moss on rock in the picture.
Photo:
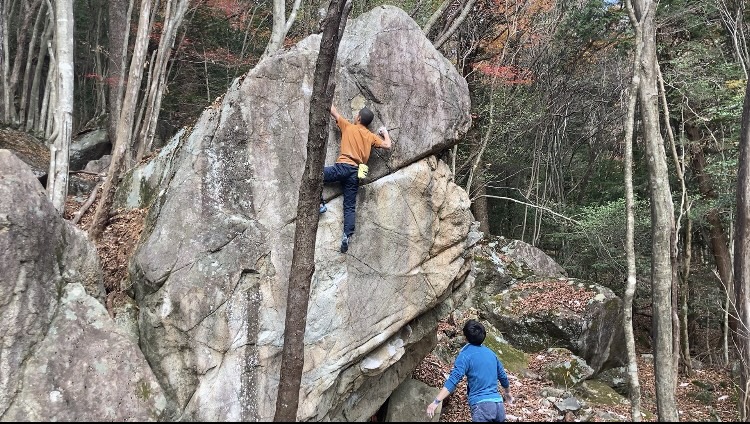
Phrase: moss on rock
(599, 393)
(569, 370)
(513, 360)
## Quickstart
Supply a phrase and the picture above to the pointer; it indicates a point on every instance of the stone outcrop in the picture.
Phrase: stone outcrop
(583, 317)
(523, 293)
(210, 276)
(88, 146)
(62, 358)
(407, 404)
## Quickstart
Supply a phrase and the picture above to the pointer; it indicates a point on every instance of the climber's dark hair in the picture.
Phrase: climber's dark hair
(474, 332)
(365, 116)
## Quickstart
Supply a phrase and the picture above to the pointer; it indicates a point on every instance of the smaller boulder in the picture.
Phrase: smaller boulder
(408, 402)
(541, 313)
(91, 145)
(566, 369)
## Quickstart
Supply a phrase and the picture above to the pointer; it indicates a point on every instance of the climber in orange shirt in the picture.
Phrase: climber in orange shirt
(357, 142)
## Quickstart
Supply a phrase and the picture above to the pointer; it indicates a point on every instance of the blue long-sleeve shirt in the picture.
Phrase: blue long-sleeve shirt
(482, 369)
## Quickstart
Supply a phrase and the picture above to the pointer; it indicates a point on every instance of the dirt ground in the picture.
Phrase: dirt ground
(707, 396)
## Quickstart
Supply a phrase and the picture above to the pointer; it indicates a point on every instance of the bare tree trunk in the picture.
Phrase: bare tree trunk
(3, 62)
(44, 126)
(5, 71)
(121, 144)
(24, 104)
(679, 169)
(49, 125)
(142, 105)
(100, 108)
(281, 25)
(634, 383)
(476, 185)
(57, 179)
(442, 38)
(435, 16)
(479, 205)
(742, 260)
(662, 218)
(303, 258)
(29, 10)
(685, 296)
(118, 15)
(34, 108)
(158, 79)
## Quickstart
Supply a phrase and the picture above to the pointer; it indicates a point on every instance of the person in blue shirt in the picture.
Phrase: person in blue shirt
(483, 370)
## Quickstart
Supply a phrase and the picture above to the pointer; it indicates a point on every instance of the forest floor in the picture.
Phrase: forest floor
(707, 396)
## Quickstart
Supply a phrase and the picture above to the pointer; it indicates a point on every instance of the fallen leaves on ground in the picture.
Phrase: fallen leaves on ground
(713, 384)
(117, 242)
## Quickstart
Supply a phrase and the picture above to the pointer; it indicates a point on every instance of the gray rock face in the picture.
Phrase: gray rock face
(407, 405)
(582, 317)
(211, 274)
(62, 358)
(89, 146)
(514, 290)
(534, 258)
(85, 370)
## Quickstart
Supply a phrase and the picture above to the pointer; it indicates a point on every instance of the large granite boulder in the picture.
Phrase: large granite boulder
(585, 318)
(524, 293)
(210, 276)
(62, 357)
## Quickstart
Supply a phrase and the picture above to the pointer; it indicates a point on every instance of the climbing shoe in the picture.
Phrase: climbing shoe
(323, 208)
(344, 244)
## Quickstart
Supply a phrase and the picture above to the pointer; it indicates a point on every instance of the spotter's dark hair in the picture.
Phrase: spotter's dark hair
(474, 332)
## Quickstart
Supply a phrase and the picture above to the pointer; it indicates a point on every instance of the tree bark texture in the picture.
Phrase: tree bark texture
(32, 112)
(479, 206)
(118, 17)
(57, 180)
(303, 258)
(281, 25)
(662, 218)
(3, 60)
(122, 142)
(476, 185)
(23, 105)
(48, 99)
(627, 300)
(158, 79)
(442, 38)
(685, 297)
(742, 260)
(719, 240)
(29, 11)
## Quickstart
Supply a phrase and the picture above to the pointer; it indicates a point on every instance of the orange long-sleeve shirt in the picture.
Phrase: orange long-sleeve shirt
(356, 142)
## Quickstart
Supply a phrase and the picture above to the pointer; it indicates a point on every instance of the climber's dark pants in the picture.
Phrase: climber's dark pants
(347, 175)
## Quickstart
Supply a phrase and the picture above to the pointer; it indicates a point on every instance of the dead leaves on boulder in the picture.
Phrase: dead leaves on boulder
(550, 295)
